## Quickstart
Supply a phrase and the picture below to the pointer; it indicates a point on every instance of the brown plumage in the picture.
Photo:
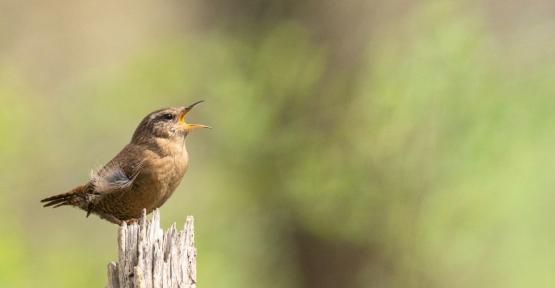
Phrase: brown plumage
(142, 176)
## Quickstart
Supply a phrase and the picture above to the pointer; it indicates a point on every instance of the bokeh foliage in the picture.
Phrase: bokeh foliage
(424, 163)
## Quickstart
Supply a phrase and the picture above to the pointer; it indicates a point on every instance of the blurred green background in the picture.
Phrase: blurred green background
(357, 143)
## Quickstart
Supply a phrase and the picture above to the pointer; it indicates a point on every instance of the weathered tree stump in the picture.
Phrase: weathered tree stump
(152, 258)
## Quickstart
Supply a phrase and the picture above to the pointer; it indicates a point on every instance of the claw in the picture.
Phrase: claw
(132, 221)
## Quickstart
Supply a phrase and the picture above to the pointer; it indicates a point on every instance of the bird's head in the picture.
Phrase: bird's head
(166, 123)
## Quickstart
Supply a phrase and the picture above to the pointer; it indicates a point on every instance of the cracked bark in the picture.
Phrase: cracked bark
(150, 257)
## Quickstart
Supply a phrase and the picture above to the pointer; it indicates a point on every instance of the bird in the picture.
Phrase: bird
(143, 175)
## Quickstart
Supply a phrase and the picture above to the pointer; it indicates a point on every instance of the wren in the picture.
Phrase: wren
(142, 176)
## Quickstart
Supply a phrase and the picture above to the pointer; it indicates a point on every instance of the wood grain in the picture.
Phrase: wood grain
(149, 257)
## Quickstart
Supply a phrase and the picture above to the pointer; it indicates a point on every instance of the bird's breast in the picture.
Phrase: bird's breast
(160, 177)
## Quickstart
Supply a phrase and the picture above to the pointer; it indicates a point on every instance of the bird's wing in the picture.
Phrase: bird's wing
(119, 174)
(112, 179)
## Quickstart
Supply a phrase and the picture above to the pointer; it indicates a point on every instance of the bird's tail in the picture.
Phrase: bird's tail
(74, 197)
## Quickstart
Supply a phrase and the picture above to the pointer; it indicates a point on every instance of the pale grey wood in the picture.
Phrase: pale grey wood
(113, 280)
(149, 257)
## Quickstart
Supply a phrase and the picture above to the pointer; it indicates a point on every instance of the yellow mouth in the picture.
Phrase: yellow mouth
(183, 115)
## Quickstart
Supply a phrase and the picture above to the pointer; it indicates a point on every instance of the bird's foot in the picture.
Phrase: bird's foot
(132, 221)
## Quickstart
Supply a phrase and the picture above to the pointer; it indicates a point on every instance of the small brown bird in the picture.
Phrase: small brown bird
(142, 176)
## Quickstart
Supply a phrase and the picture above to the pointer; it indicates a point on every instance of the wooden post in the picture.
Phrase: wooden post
(152, 258)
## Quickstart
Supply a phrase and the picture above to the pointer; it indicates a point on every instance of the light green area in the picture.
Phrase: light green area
(437, 156)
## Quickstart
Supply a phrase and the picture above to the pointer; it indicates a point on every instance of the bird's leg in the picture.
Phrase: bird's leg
(132, 221)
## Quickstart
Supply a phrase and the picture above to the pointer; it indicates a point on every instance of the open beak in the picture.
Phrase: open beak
(183, 115)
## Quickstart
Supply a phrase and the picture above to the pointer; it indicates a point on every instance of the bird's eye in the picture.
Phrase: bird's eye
(167, 116)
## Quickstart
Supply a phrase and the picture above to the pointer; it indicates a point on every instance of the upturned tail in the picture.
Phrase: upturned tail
(75, 197)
